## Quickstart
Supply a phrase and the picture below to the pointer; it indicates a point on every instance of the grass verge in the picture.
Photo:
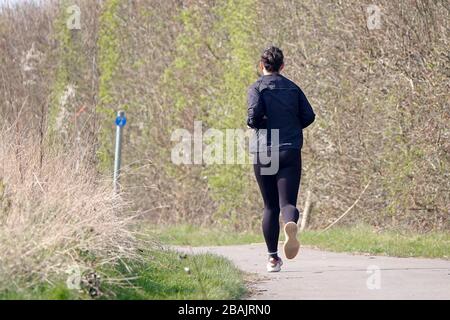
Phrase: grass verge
(358, 239)
(167, 275)
(60, 221)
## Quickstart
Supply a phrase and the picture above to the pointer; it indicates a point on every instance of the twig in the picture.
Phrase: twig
(348, 210)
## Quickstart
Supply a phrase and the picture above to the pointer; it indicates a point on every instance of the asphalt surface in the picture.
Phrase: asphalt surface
(316, 274)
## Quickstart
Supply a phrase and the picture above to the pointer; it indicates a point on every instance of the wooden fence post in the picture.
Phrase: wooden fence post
(306, 211)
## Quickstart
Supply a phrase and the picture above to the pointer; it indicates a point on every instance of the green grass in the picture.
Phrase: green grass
(198, 236)
(57, 291)
(209, 277)
(363, 239)
(359, 239)
(163, 276)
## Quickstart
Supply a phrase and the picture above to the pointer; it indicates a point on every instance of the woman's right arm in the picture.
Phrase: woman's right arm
(255, 109)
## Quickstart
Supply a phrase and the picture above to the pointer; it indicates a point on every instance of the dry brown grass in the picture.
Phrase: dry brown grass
(56, 214)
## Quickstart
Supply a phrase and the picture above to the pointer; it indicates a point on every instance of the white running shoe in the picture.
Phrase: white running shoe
(274, 265)
(291, 244)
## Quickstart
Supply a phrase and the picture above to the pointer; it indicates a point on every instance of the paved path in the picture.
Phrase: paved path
(316, 274)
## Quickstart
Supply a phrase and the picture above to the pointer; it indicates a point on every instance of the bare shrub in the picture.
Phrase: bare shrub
(55, 216)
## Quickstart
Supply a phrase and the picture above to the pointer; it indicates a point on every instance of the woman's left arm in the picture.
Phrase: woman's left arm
(306, 112)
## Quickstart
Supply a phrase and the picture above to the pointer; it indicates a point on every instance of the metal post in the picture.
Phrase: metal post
(120, 123)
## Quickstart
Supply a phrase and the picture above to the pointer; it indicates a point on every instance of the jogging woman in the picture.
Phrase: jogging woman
(278, 107)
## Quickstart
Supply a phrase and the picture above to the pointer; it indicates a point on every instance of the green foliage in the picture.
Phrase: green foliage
(70, 59)
(401, 169)
(181, 88)
(237, 25)
(214, 64)
(109, 59)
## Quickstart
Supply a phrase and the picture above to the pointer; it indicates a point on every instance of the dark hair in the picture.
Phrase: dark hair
(272, 58)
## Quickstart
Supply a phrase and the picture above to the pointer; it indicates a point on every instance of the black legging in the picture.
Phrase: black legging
(279, 191)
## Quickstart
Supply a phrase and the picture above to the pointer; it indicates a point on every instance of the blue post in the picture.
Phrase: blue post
(121, 120)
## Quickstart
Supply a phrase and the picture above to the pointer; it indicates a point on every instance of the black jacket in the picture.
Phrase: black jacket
(275, 102)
